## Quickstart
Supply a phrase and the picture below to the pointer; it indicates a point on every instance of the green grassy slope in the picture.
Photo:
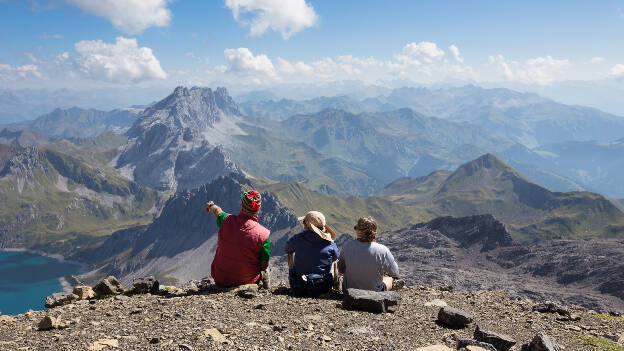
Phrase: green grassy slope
(57, 203)
(531, 212)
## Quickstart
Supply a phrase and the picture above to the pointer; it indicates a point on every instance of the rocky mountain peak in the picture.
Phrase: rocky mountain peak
(177, 143)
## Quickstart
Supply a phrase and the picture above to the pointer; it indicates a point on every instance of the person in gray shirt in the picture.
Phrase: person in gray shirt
(366, 264)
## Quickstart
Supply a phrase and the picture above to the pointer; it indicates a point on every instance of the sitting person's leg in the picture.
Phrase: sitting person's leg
(388, 282)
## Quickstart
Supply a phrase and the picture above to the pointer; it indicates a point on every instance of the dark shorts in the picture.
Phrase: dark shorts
(310, 284)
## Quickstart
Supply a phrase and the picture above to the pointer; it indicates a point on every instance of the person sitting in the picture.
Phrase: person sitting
(366, 264)
(314, 253)
(243, 244)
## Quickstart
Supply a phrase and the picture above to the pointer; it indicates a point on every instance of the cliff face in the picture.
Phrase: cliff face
(180, 244)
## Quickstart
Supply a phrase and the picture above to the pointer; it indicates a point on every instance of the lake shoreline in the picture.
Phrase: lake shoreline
(63, 281)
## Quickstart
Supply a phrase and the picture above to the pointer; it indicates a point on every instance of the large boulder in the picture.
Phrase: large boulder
(84, 292)
(60, 299)
(542, 342)
(49, 323)
(146, 285)
(108, 286)
(371, 301)
(454, 318)
(500, 341)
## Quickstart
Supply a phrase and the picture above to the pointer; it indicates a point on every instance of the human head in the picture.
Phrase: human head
(315, 221)
(366, 228)
(251, 201)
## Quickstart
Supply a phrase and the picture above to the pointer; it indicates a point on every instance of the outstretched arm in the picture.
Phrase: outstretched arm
(212, 208)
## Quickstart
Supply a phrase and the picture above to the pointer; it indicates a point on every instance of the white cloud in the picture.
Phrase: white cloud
(287, 17)
(243, 63)
(11, 73)
(121, 62)
(426, 50)
(597, 59)
(129, 16)
(617, 71)
(455, 52)
(539, 70)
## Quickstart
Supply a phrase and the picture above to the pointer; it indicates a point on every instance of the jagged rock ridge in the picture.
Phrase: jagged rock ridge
(177, 143)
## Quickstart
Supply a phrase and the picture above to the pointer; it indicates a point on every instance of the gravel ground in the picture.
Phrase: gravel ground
(272, 321)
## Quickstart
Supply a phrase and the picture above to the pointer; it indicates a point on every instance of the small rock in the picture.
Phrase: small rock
(122, 298)
(154, 341)
(449, 288)
(108, 286)
(48, 323)
(371, 301)
(146, 285)
(573, 327)
(248, 291)
(454, 318)
(103, 343)
(551, 307)
(84, 292)
(398, 284)
(542, 342)
(136, 311)
(280, 339)
(436, 303)
(621, 340)
(215, 336)
(326, 338)
(185, 347)
(499, 341)
(60, 299)
(466, 343)
(434, 348)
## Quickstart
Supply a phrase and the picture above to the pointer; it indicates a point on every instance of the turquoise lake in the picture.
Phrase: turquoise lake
(26, 279)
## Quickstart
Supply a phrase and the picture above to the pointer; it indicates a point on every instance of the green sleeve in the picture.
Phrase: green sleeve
(265, 254)
(221, 217)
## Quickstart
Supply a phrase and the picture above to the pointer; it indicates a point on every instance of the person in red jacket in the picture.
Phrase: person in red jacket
(243, 246)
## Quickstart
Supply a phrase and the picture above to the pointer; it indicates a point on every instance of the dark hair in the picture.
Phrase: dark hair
(368, 226)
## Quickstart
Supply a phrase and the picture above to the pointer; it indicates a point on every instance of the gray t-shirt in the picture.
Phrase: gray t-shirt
(364, 264)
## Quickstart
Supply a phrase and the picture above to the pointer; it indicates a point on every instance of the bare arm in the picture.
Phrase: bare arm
(212, 208)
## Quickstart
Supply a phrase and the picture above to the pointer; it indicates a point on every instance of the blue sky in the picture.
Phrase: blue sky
(79, 44)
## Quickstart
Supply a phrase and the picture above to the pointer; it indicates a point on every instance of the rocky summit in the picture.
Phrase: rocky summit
(207, 318)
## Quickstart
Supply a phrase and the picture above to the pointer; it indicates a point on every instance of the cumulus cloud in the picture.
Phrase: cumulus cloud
(539, 70)
(597, 59)
(617, 71)
(287, 17)
(129, 16)
(13, 73)
(121, 62)
(426, 50)
(242, 62)
(455, 52)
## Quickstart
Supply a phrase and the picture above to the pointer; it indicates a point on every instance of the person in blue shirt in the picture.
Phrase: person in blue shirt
(311, 255)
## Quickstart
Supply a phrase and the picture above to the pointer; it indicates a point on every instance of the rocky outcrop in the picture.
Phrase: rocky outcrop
(372, 301)
(146, 285)
(474, 253)
(542, 342)
(60, 299)
(108, 286)
(454, 318)
(499, 341)
(175, 143)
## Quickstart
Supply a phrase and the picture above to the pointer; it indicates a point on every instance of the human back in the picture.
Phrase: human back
(243, 244)
(367, 263)
(240, 243)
